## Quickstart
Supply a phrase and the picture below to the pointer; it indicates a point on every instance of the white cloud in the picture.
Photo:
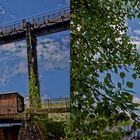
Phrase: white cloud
(13, 17)
(64, 3)
(2, 10)
(8, 72)
(51, 56)
(13, 57)
(67, 1)
(135, 38)
(66, 40)
(137, 32)
(137, 43)
(136, 99)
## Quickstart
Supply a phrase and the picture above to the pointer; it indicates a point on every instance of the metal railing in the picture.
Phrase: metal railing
(56, 103)
(36, 22)
(53, 103)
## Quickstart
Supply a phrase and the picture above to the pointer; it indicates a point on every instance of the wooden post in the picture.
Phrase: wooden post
(33, 83)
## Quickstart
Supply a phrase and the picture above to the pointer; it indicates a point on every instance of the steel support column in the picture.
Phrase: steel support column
(33, 83)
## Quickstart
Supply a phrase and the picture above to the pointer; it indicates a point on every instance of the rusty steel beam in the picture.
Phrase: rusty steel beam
(41, 25)
(33, 83)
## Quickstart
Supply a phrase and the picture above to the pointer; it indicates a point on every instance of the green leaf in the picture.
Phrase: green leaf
(129, 84)
(115, 69)
(128, 95)
(122, 75)
(136, 104)
(119, 85)
(73, 15)
(109, 76)
(134, 76)
(109, 48)
(138, 15)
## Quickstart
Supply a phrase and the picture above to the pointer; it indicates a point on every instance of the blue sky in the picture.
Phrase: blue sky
(53, 51)
(134, 33)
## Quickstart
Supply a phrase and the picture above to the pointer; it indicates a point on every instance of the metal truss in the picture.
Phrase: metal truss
(40, 25)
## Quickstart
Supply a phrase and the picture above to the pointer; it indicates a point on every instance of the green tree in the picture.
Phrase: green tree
(100, 45)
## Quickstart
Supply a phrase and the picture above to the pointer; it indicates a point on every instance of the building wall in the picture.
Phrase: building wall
(1, 134)
(9, 133)
(8, 104)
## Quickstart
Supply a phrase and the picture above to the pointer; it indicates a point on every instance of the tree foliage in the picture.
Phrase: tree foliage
(101, 46)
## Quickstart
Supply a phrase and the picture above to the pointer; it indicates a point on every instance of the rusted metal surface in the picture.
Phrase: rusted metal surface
(44, 24)
(9, 133)
(11, 103)
(30, 131)
(55, 105)
(33, 82)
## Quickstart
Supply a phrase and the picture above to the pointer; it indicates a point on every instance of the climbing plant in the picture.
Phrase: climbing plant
(34, 90)
(33, 85)
(101, 47)
(49, 128)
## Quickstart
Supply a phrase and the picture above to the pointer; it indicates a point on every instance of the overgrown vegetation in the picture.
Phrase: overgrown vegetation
(34, 90)
(52, 126)
(55, 130)
(34, 87)
(100, 46)
(50, 129)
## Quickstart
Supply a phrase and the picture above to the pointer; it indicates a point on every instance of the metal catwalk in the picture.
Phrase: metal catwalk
(44, 24)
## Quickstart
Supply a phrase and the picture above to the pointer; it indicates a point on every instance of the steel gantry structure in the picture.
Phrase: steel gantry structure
(44, 24)
(29, 29)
